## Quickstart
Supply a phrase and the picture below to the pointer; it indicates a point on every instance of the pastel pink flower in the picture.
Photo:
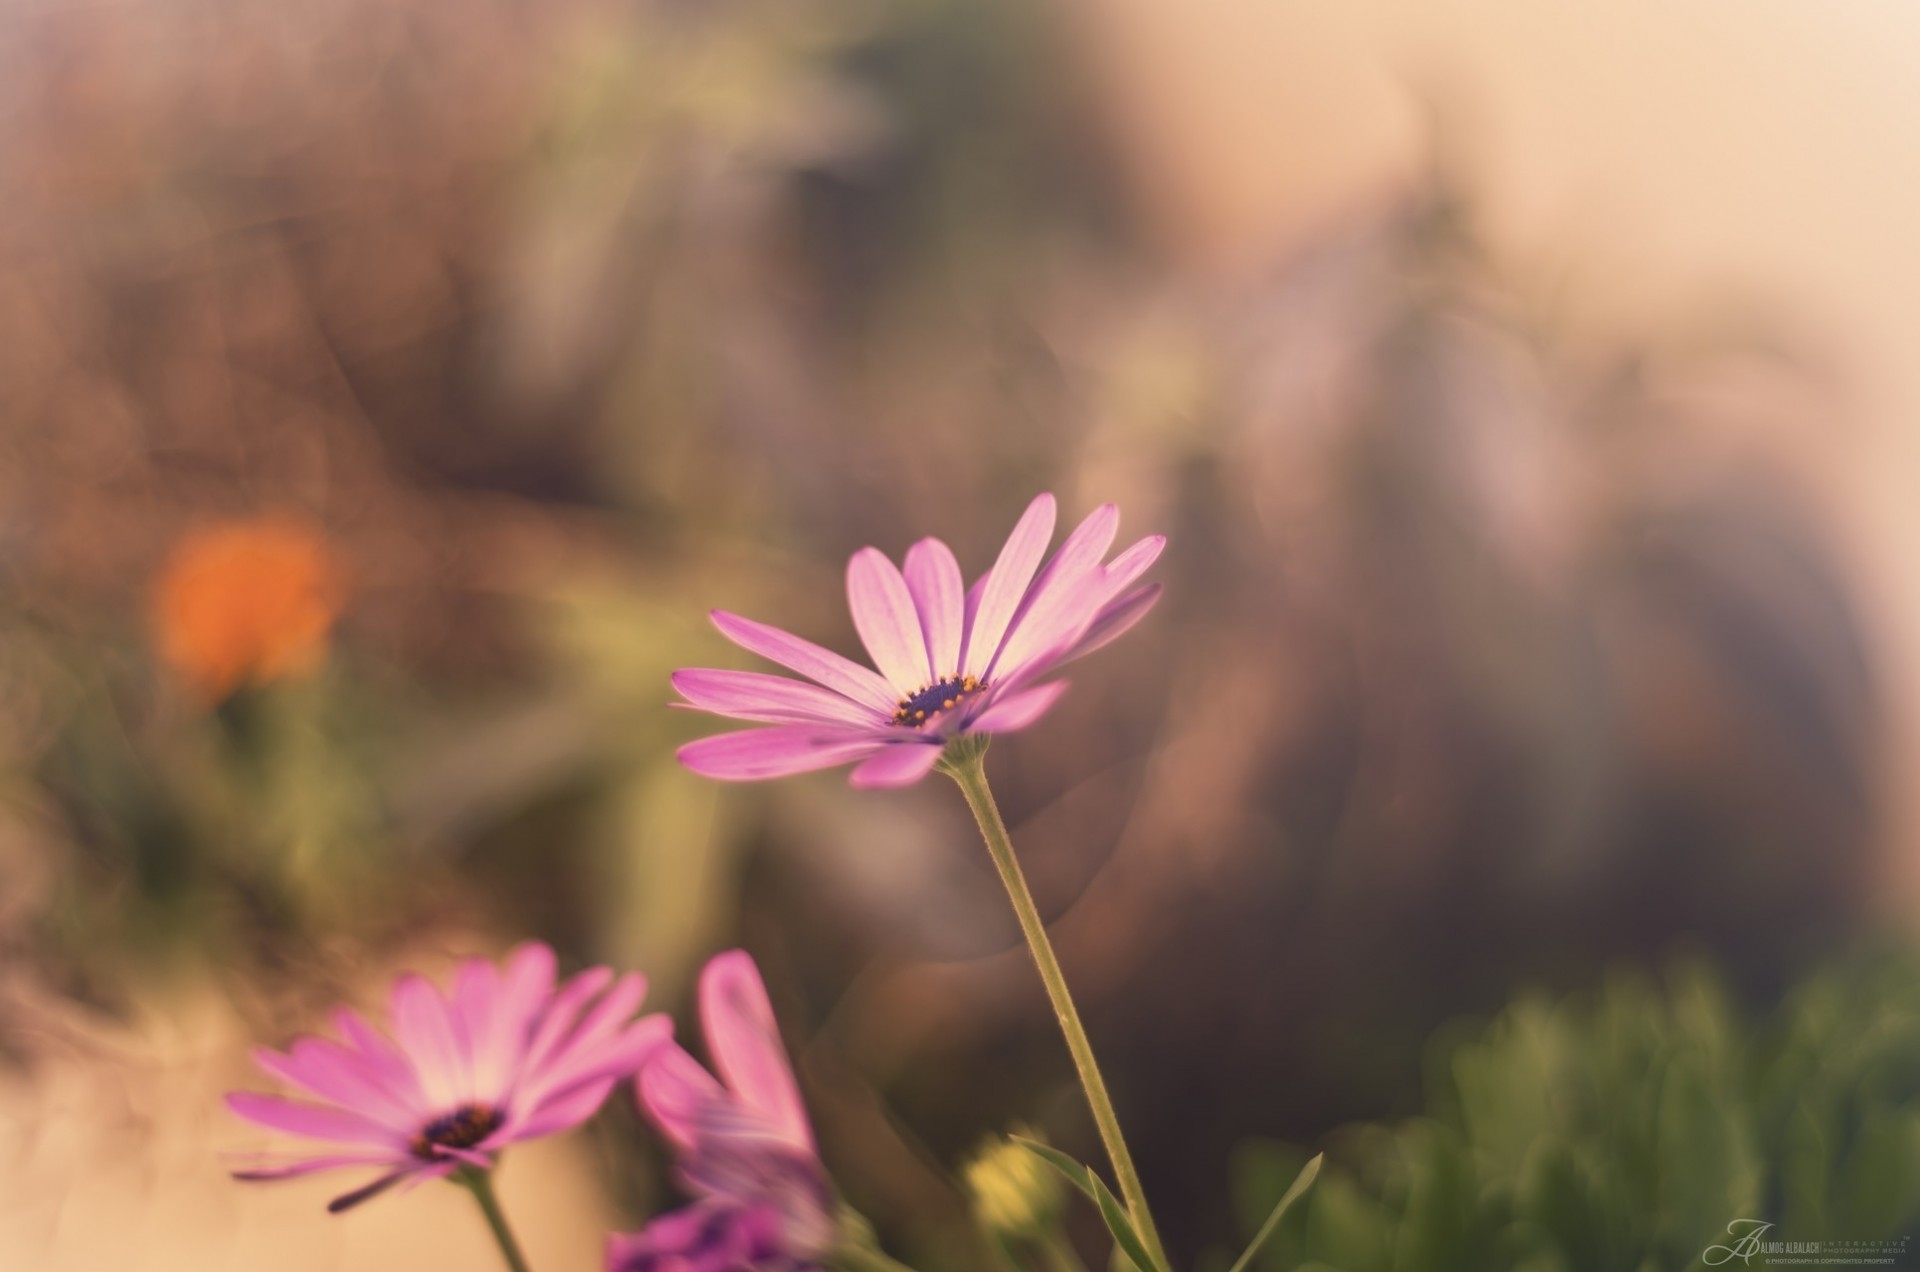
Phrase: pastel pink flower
(950, 661)
(742, 1142)
(507, 1056)
(708, 1236)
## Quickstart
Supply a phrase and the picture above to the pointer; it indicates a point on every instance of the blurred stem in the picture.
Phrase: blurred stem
(480, 1184)
(1060, 1255)
(965, 763)
(1002, 1253)
(857, 1249)
(861, 1259)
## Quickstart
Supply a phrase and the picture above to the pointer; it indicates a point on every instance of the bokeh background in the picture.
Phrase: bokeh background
(387, 390)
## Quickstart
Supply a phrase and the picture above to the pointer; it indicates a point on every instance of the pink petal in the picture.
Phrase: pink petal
(423, 1022)
(613, 1011)
(368, 1040)
(673, 1088)
(404, 1180)
(933, 576)
(620, 1056)
(755, 695)
(1061, 630)
(1046, 635)
(745, 1043)
(1056, 598)
(561, 1033)
(1081, 552)
(1078, 556)
(1007, 583)
(315, 1121)
(605, 1043)
(561, 1013)
(1131, 564)
(1116, 620)
(566, 1111)
(901, 764)
(756, 754)
(339, 1076)
(525, 990)
(1018, 710)
(476, 987)
(731, 1129)
(405, 1175)
(383, 1059)
(308, 1166)
(842, 675)
(888, 624)
(738, 1153)
(1046, 639)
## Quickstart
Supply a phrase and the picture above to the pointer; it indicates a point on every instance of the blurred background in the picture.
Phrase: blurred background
(387, 391)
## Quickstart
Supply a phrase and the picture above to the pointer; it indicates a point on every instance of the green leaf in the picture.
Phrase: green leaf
(1120, 1226)
(1076, 1174)
(1301, 1182)
(1124, 1234)
(856, 1248)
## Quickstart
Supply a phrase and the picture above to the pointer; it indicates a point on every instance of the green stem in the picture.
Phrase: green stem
(1002, 1252)
(480, 1184)
(1060, 1255)
(965, 763)
(858, 1259)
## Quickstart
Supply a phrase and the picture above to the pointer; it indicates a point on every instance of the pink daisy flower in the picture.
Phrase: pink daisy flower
(952, 662)
(708, 1236)
(744, 1146)
(506, 1057)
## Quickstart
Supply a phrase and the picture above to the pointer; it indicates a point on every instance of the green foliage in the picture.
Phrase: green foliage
(1625, 1129)
(1302, 1182)
(1126, 1238)
(1012, 1192)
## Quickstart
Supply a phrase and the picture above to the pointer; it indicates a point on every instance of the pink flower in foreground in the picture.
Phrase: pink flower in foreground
(709, 1236)
(507, 1057)
(744, 1148)
(951, 662)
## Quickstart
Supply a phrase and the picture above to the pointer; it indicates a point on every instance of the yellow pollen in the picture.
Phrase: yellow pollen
(941, 695)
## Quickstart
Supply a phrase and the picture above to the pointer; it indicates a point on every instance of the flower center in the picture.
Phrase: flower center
(941, 695)
(462, 1128)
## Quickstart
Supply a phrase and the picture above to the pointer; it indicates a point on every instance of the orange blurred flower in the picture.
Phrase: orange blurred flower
(246, 603)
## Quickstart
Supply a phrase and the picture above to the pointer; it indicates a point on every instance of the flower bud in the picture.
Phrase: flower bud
(1014, 1193)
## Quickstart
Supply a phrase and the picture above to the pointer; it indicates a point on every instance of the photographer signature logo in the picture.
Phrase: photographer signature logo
(1746, 1234)
(1749, 1237)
